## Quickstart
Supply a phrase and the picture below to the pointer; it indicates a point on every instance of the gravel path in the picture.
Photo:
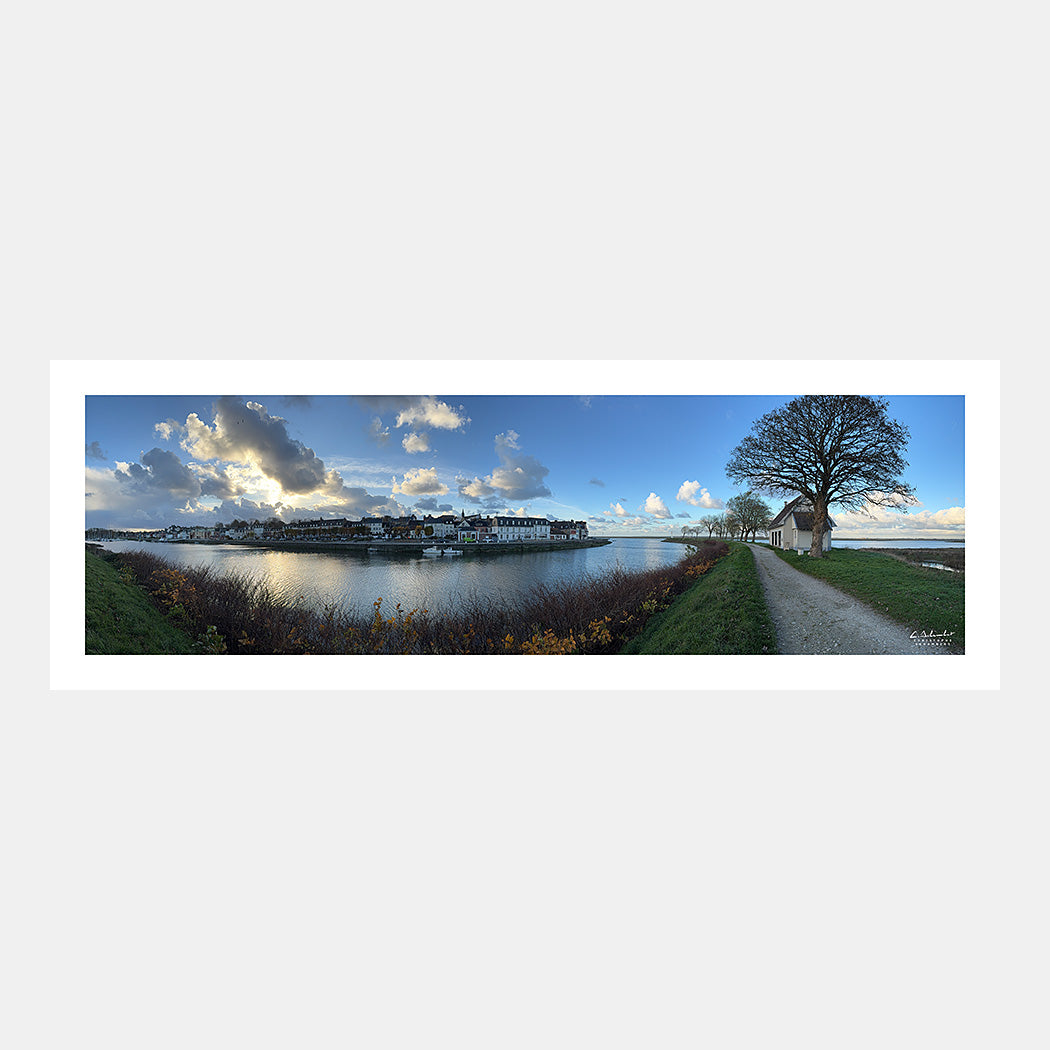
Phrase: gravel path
(812, 617)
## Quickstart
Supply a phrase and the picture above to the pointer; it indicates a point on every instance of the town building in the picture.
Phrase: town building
(568, 530)
(513, 529)
(477, 528)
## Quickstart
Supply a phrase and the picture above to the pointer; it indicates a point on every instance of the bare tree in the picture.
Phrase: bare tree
(709, 522)
(752, 512)
(839, 449)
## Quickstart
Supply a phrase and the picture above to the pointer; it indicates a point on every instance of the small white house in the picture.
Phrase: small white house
(792, 528)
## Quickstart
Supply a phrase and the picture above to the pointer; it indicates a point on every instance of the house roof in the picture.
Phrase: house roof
(804, 520)
(803, 513)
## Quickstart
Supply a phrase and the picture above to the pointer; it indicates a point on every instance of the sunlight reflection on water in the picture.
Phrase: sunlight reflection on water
(355, 581)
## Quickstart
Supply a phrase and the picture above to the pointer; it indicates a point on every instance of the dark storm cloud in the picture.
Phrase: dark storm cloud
(162, 478)
(432, 506)
(248, 510)
(245, 432)
(216, 482)
(496, 503)
(160, 472)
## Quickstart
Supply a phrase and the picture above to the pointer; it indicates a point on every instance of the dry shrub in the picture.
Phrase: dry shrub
(595, 614)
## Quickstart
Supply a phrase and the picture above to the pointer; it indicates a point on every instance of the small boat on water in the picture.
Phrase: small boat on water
(437, 552)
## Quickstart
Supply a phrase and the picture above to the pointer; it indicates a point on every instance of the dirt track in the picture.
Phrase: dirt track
(811, 617)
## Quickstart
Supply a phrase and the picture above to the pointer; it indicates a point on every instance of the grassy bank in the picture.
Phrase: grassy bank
(950, 557)
(916, 597)
(121, 619)
(723, 613)
(235, 614)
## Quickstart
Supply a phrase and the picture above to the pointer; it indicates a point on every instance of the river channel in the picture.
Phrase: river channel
(355, 581)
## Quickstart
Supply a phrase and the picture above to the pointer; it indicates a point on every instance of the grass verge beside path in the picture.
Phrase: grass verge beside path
(120, 619)
(918, 598)
(723, 613)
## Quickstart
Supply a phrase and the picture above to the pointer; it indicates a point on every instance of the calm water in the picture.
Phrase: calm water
(355, 581)
(900, 544)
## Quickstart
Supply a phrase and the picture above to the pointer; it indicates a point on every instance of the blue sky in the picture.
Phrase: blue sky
(628, 465)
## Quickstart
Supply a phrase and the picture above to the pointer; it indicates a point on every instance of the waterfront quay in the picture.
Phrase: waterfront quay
(379, 548)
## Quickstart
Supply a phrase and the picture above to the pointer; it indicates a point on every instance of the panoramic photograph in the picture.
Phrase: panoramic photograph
(270, 524)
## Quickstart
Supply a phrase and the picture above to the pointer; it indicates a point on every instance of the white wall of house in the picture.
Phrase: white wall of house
(790, 537)
(443, 529)
(803, 539)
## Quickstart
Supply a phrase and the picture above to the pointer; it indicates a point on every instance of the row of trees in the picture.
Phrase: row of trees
(745, 516)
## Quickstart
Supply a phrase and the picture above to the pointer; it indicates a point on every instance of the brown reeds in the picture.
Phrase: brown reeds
(234, 613)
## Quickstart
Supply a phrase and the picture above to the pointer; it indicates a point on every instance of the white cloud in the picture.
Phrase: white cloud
(948, 516)
(691, 492)
(246, 456)
(618, 510)
(429, 412)
(421, 482)
(951, 520)
(414, 442)
(637, 522)
(656, 506)
(476, 489)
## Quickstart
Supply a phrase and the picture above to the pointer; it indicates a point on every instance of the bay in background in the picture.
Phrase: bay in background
(355, 581)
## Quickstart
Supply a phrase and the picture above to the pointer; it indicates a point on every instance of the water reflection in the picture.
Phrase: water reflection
(355, 581)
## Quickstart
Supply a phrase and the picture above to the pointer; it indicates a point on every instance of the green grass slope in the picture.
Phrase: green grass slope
(723, 613)
(120, 619)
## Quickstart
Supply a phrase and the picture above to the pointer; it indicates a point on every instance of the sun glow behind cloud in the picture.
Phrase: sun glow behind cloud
(242, 457)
